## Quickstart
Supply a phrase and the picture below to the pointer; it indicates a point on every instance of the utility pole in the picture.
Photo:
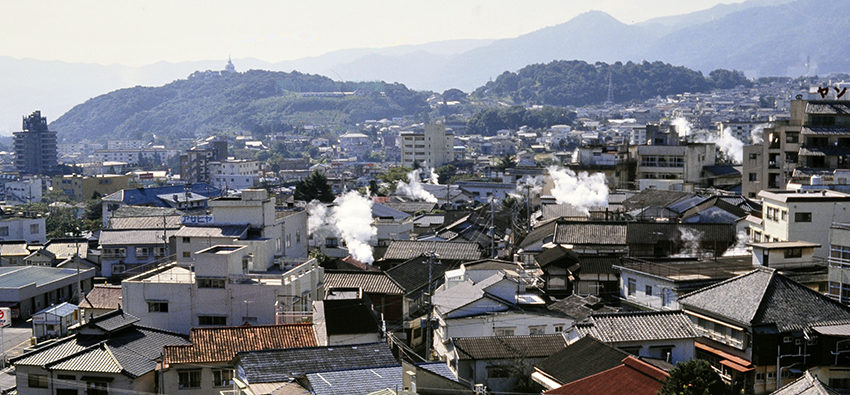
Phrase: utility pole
(528, 207)
(428, 325)
(493, 227)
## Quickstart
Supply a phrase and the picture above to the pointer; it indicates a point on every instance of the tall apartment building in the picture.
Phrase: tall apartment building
(195, 162)
(35, 147)
(814, 142)
(431, 146)
(235, 174)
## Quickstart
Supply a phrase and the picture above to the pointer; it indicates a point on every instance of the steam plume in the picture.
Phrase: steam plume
(352, 217)
(740, 247)
(433, 177)
(413, 188)
(691, 240)
(582, 191)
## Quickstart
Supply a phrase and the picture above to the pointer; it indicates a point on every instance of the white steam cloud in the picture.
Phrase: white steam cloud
(433, 177)
(730, 147)
(757, 134)
(683, 127)
(581, 190)
(690, 242)
(413, 188)
(740, 247)
(350, 219)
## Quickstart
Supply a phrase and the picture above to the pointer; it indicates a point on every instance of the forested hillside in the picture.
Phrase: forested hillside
(255, 101)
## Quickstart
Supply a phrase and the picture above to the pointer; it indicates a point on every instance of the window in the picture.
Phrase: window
(802, 217)
(331, 242)
(33, 228)
(142, 252)
(792, 137)
(222, 377)
(216, 320)
(760, 376)
(37, 380)
(632, 286)
(753, 176)
(648, 290)
(754, 156)
(298, 236)
(537, 330)
(116, 269)
(794, 253)
(187, 239)
(784, 215)
(787, 339)
(4, 231)
(97, 388)
(559, 328)
(114, 253)
(187, 254)
(158, 307)
(771, 376)
(189, 379)
(211, 283)
(504, 331)
(66, 377)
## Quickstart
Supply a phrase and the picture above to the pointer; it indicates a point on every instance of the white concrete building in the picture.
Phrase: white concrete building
(432, 146)
(235, 174)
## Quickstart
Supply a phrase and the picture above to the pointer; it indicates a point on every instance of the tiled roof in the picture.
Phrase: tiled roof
(404, 250)
(567, 210)
(149, 196)
(438, 368)
(594, 355)
(594, 233)
(63, 248)
(580, 307)
(132, 351)
(508, 347)
(825, 131)
(633, 377)
(411, 207)
(279, 365)
(597, 264)
(14, 249)
(722, 170)
(234, 231)
(145, 211)
(764, 297)
(539, 233)
(556, 254)
(491, 264)
(653, 197)
(132, 237)
(807, 384)
(651, 233)
(102, 296)
(369, 282)
(637, 326)
(381, 211)
(412, 274)
(828, 107)
(113, 320)
(222, 343)
(152, 222)
(355, 381)
(824, 151)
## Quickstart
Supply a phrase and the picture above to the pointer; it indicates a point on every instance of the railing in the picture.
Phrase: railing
(138, 269)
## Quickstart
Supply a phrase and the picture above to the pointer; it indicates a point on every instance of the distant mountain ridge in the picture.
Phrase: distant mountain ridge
(761, 37)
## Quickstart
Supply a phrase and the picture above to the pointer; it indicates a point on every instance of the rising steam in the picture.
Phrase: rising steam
(740, 248)
(433, 177)
(690, 242)
(350, 219)
(730, 147)
(413, 188)
(582, 191)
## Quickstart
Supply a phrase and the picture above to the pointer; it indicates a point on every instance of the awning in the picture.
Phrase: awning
(732, 365)
(723, 354)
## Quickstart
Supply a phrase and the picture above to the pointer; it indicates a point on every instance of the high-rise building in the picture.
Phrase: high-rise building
(35, 147)
(431, 146)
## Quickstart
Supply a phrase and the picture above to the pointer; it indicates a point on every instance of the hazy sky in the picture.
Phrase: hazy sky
(140, 32)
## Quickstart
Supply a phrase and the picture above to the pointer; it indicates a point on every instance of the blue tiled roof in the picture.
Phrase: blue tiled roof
(149, 196)
(355, 382)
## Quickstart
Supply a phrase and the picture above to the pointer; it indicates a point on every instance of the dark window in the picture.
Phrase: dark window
(794, 253)
(37, 380)
(754, 156)
(211, 283)
(648, 290)
(189, 379)
(802, 217)
(187, 239)
(753, 176)
(157, 307)
(212, 320)
(632, 286)
(222, 377)
(792, 137)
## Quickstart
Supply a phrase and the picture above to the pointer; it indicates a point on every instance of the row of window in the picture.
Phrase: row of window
(776, 214)
(532, 330)
(192, 378)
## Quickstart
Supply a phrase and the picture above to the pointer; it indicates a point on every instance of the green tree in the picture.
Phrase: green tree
(394, 174)
(694, 377)
(314, 187)
(445, 173)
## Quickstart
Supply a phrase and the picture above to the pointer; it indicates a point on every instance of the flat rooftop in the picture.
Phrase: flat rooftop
(721, 268)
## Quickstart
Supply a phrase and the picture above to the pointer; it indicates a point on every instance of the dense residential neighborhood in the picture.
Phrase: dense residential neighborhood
(698, 239)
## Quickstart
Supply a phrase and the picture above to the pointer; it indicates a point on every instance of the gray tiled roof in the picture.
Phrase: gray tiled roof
(113, 320)
(355, 381)
(825, 130)
(411, 207)
(584, 357)
(404, 250)
(593, 233)
(268, 366)
(807, 384)
(764, 297)
(637, 326)
(381, 211)
(828, 107)
(369, 282)
(580, 307)
(508, 347)
(412, 274)
(152, 222)
(234, 231)
(651, 233)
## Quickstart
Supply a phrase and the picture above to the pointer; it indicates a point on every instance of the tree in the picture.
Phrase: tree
(694, 377)
(445, 173)
(314, 187)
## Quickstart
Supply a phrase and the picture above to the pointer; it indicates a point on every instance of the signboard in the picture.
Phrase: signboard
(197, 219)
(5, 316)
(146, 176)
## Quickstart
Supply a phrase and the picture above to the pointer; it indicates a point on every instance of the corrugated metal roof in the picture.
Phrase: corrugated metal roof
(152, 222)
(13, 277)
(369, 282)
(265, 366)
(356, 381)
(132, 237)
(592, 233)
(234, 231)
(222, 343)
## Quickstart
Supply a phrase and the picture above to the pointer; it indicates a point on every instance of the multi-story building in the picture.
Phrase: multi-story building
(815, 140)
(839, 262)
(355, 144)
(235, 174)
(673, 167)
(195, 163)
(35, 147)
(431, 146)
(799, 216)
(135, 156)
(23, 226)
(80, 188)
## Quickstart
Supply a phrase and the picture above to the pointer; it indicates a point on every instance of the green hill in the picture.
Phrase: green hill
(256, 101)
